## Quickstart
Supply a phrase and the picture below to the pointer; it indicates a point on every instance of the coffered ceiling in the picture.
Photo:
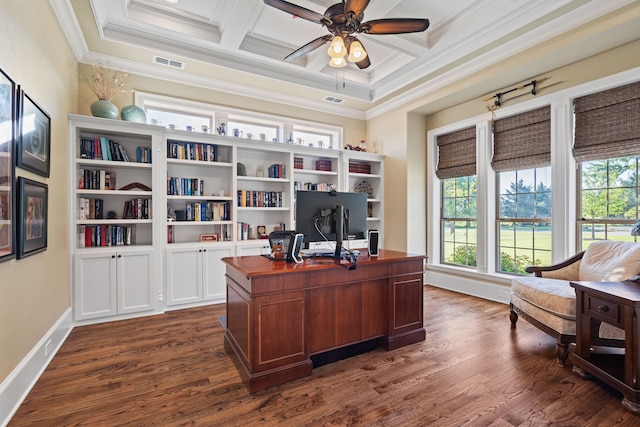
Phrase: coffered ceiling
(240, 45)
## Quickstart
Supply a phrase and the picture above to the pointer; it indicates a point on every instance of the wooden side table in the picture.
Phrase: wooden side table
(616, 303)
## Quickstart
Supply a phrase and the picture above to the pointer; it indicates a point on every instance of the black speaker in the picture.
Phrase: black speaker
(374, 236)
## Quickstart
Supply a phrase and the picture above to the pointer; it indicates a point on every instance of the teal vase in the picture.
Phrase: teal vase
(105, 109)
(133, 113)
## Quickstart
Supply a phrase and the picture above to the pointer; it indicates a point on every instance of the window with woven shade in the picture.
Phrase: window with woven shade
(607, 149)
(458, 217)
(522, 160)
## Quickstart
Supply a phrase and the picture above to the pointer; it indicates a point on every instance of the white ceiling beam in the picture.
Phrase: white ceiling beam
(240, 18)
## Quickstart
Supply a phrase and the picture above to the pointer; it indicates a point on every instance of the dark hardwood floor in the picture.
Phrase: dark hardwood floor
(172, 369)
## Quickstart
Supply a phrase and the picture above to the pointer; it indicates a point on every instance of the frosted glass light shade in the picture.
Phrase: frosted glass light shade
(356, 51)
(338, 62)
(337, 48)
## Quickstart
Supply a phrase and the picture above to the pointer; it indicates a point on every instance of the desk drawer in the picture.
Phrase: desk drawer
(602, 309)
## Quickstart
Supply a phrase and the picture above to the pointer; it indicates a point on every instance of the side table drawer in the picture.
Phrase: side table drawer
(604, 310)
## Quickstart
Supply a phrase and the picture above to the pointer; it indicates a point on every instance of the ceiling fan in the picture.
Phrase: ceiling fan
(344, 20)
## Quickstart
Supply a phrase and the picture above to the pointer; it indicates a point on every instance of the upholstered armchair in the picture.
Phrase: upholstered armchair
(548, 302)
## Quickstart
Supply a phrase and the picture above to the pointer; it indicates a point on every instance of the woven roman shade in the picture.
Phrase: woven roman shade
(608, 124)
(522, 141)
(457, 154)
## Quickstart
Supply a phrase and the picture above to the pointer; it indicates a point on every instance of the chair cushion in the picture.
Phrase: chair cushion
(554, 296)
(557, 323)
(609, 261)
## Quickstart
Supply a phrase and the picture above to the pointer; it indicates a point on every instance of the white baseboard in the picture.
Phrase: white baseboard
(15, 388)
(492, 288)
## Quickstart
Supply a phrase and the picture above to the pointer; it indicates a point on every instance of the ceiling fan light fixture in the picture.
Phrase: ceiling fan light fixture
(356, 51)
(338, 62)
(337, 48)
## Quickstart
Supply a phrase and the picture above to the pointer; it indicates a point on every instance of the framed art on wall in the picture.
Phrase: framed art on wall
(34, 139)
(32, 217)
(8, 96)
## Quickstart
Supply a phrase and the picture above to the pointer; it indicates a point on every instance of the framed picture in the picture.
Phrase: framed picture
(8, 111)
(34, 139)
(32, 217)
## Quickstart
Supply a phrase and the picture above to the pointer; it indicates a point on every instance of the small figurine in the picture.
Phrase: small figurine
(221, 129)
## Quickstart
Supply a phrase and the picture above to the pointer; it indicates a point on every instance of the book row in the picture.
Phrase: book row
(277, 170)
(260, 199)
(205, 211)
(90, 179)
(192, 151)
(89, 208)
(313, 186)
(137, 209)
(105, 235)
(102, 148)
(185, 186)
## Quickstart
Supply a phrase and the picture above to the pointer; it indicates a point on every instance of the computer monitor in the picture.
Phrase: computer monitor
(331, 216)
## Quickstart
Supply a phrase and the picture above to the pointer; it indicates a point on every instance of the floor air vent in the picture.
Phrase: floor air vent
(168, 62)
(333, 99)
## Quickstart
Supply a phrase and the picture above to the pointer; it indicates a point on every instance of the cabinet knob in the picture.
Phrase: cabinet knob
(602, 308)
(204, 250)
(113, 256)
(119, 256)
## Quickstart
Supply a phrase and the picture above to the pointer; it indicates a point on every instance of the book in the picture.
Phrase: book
(104, 148)
(81, 236)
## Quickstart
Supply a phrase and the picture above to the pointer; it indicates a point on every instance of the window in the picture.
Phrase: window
(456, 170)
(458, 221)
(608, 199)
(607, 135)
(524, 219)
(180, 121)
(197, 116)
(522, 161)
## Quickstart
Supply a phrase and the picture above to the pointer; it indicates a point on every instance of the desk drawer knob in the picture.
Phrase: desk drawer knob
(602, 308)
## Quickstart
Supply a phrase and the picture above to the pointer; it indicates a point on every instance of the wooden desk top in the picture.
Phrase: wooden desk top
(257, 265)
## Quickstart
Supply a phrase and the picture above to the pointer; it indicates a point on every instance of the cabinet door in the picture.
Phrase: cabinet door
(184, 276)
(213, 273)
(94, 286)
(135, 281)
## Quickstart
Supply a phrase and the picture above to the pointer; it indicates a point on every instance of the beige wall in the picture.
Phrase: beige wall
(34, 291)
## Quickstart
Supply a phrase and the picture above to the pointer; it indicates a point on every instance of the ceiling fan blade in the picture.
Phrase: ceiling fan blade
(394, 26)
(356, 6)
(312, 45)
(364, 63)
(298, 11)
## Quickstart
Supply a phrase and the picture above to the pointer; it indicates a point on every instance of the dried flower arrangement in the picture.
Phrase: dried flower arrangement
(103, 82)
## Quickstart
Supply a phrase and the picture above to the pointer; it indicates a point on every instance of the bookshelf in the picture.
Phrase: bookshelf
(183, 201)
(200, 219)
(364, 172)
(113, 234)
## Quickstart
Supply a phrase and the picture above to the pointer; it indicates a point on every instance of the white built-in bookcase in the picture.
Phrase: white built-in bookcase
(183, 210)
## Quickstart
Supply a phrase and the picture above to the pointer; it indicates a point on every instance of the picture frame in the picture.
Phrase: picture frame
(34, 138)
(208, 237)
(8, 114)
(33, 203)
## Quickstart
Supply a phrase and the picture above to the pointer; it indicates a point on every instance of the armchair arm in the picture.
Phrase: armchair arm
(538, 270)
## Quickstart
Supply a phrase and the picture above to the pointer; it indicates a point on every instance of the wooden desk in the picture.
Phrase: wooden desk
(281, 313)
(616, 303)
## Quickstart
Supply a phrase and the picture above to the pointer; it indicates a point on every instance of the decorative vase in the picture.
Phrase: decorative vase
(105, 109)
(133, 113)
